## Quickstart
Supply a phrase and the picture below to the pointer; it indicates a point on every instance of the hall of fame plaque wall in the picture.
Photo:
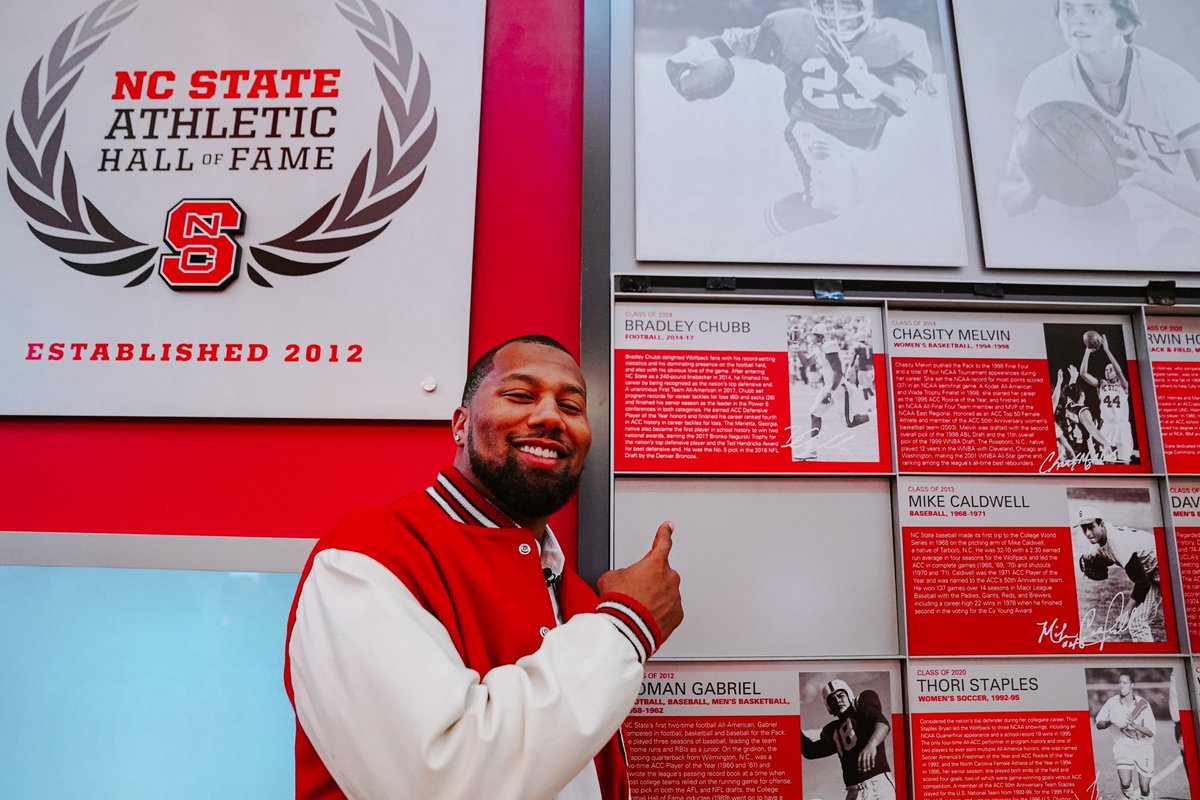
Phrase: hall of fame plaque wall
(999, 503)
(818, 211)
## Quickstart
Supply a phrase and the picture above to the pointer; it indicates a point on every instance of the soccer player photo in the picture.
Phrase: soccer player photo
(1135, 733)
(846, 735)
(813, 131)
(832, 380)
(1091, 394)
(1085, 131)
(1119, 585)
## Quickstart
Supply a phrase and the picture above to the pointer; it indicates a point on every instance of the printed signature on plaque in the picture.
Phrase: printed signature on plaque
(810, 449)
(1092, 792)
(1055, 461)
(1092, 631)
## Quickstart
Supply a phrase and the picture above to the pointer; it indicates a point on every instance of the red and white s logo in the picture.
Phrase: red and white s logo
(204, 254)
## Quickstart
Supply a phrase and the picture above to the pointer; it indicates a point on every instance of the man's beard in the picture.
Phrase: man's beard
(520, 491)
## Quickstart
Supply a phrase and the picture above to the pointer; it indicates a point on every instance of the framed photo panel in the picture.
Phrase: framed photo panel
(780, 730)
(1174, 344)
(795, 132)
(1013, 392)
(1095, 728)
(707, 388)
(1085, 131)
(1185, 513)
(1012, 566)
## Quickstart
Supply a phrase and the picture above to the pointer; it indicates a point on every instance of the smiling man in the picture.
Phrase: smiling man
(440, 648)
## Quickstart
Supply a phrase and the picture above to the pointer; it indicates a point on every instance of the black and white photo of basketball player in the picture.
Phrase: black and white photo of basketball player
(1116, 427)
(1119, 584)
(832, 379)
(1098, 162)
(1091, 394)
(795, 131)
(847, 715)
(1135, 732)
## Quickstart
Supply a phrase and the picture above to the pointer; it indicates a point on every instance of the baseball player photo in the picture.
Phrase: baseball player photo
(1119, 586)
(1134, 746)
(1090, 395)
(832, 379)
(852, 711)
(1085, 128)
(795, 131)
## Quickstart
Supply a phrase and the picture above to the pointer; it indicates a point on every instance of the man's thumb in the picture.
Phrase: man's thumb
(662, 539)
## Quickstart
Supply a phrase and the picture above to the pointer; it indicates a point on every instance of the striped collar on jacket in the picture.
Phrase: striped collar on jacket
(462, 502)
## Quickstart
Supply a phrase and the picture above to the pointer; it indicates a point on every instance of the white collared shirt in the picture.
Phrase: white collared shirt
(585, 785)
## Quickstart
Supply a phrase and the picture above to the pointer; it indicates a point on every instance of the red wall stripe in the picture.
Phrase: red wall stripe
(528, 219)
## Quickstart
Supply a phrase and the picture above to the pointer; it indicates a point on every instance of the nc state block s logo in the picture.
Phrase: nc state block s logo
(204, 255)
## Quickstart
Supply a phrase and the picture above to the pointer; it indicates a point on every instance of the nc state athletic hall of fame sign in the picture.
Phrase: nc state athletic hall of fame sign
(232, 209)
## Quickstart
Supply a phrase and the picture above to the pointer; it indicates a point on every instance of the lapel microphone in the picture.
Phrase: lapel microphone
(550, 577)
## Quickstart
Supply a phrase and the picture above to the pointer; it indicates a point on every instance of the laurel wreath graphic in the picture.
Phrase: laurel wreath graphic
(399, 155)
(85, 239)
(105, 248)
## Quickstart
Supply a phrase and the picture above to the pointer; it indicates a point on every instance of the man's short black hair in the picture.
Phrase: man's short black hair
(483, 365)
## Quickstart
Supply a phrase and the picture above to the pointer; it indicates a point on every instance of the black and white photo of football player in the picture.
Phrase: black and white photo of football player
(855, 725)
(809, 114)
(832, 377)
